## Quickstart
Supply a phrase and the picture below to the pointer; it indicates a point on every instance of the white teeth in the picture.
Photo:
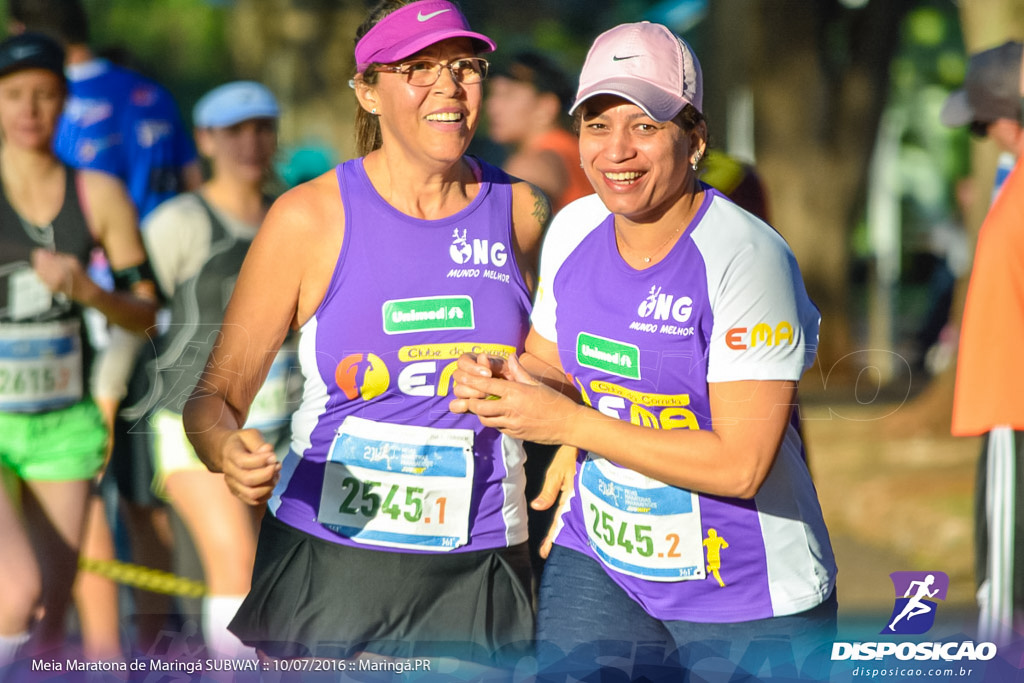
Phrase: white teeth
(623, 177)
(446, 116)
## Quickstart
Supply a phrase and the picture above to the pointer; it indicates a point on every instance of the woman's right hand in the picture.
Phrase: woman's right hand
(558, 483)
(250, 466)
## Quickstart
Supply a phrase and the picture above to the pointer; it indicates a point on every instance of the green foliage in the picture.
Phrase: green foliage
(926, 27)
(547, 35)
(180, 43)
(929, 64)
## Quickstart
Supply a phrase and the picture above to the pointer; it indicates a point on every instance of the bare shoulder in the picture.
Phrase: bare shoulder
(108, 209)
(313, 206)
(531, 214)
(531, 209)
(100, 187)
(302, 235)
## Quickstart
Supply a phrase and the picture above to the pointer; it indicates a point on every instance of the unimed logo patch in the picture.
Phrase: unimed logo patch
(917, 596)
(608, 355)
(428, 313)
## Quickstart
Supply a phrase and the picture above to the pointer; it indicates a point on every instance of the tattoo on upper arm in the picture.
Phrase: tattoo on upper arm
(541, 207)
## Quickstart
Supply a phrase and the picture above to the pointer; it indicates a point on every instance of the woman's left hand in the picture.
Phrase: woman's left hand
(519, 406)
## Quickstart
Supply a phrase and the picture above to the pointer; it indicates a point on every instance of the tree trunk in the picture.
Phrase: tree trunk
(302, 51)
(819, 75)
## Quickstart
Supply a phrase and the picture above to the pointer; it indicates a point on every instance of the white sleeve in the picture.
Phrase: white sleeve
(177, 239)
(765, 326)
(568, 228)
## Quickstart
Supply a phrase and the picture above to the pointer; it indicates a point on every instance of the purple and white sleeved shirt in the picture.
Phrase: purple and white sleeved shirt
(726, 304)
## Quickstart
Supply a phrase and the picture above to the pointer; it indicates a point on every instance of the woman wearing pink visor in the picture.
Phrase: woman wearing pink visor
(395, 527)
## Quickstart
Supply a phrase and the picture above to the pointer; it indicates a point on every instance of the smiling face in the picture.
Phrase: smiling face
(639, 167)
(435, 122)
(30, 104)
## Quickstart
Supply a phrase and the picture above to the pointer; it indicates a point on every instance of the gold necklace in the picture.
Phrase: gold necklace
(647, 259)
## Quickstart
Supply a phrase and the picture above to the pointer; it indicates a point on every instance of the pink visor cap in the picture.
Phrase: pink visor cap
(408, 30)
(647, 64)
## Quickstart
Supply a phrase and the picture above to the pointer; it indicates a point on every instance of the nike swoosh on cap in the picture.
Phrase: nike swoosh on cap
(619, 59)
(24, 51)
(420, 16)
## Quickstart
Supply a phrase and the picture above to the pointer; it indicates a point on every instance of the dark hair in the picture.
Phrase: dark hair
(368, 125)
(688, 118)
(63, 20)
(540, 71)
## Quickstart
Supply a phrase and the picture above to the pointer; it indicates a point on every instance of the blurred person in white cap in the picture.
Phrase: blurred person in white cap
(394, 527)
(53, 440)
(682, 323)
(990, 370)
(198, 241)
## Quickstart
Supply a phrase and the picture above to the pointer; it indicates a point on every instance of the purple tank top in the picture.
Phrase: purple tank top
(407, 298)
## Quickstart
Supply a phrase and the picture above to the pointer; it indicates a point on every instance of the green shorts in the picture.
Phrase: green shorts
(68, 444)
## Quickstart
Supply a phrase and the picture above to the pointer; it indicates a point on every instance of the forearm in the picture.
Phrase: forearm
(697, 460)
(732, 459)
(134, 311)
(247, 461)
(209, 420)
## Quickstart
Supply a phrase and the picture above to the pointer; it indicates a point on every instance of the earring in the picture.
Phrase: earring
(696, 160)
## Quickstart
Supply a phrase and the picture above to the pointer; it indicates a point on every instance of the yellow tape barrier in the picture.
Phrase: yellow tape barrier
(152, 580)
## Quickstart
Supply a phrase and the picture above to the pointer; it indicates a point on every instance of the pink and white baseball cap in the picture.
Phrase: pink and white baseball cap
(408, 30)
(645, 63)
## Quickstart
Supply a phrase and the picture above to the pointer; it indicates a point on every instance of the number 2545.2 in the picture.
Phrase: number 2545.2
(604, 528)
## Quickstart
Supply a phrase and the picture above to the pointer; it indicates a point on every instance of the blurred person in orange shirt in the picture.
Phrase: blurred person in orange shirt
(990, 369)
(526, 109)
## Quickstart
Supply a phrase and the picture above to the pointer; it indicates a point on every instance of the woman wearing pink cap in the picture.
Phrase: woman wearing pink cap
(395, 527)
(681, 324)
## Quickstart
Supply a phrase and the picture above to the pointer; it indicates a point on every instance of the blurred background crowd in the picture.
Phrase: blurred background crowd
(835, 103)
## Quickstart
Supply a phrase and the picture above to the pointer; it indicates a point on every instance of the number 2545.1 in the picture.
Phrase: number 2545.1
(370, 504)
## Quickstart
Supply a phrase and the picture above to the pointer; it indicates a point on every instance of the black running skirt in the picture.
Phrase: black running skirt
(313, 598)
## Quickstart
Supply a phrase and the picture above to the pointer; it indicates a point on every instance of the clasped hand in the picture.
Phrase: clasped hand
(57, 270)
(250, 466)
(505, 396)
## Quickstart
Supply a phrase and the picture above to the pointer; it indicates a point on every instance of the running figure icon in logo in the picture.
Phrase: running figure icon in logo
(920, 590)
(715, 545)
